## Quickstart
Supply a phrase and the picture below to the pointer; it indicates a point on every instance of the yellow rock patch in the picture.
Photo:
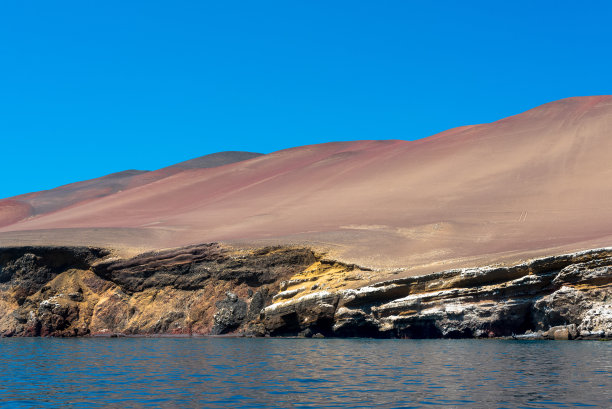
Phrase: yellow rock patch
(324, 276)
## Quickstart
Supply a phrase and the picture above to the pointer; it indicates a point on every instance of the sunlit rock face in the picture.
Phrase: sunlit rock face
(200, 289)
(211, 289)
(562, 297)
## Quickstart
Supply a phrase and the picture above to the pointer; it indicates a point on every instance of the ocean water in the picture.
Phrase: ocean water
(303, 373)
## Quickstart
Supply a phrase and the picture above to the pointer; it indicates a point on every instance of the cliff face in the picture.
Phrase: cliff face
(568, 296)
(212, 289)
(83, 291)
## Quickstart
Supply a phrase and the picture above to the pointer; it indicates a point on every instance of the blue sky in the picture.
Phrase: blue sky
(89, 88)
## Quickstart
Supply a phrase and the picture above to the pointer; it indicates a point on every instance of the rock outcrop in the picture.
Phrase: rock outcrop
(199, 289)
(231, 313)
(287, 291)
(562, 297)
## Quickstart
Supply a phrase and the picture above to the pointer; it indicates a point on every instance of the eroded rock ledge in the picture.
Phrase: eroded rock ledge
(84, 291)
(287, 291)
(562, 297)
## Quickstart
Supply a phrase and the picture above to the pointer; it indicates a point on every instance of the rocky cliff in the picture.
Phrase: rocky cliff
(567, 296)
(71, 291)
(288, 291)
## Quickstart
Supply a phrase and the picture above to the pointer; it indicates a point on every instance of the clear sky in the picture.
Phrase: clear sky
(89, 87)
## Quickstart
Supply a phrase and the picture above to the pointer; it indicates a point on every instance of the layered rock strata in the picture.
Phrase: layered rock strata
(285, 291)
(67, 291)
(562, 297)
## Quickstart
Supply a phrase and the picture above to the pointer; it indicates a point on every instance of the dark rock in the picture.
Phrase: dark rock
(307, 333)
(191, 268)
(231, 313)
(76, 296)
(258, 302)
(55, 316)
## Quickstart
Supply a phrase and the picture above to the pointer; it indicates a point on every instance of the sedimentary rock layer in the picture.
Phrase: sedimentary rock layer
(291, 291)
(82, 291)
(567, 296)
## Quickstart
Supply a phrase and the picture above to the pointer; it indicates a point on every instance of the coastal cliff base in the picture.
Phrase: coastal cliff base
(211, 289)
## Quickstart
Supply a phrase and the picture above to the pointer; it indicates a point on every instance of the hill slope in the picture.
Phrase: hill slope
(528, 185)
(37, 203)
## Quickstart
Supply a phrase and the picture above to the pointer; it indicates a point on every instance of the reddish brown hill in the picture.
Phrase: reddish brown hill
(47, 201)
(13, 210)
(532, 184)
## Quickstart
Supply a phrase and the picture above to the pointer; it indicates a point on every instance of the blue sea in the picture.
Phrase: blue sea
(303, 373)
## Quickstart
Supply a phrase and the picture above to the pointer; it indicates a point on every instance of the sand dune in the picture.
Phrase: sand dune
(528, 185)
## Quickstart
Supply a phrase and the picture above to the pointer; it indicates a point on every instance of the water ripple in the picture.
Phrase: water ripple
(303, 373)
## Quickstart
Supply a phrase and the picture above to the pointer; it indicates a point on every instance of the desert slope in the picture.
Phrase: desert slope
(47, 201)
(534, 184)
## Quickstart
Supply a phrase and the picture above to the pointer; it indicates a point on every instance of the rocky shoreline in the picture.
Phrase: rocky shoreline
(211, 289)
